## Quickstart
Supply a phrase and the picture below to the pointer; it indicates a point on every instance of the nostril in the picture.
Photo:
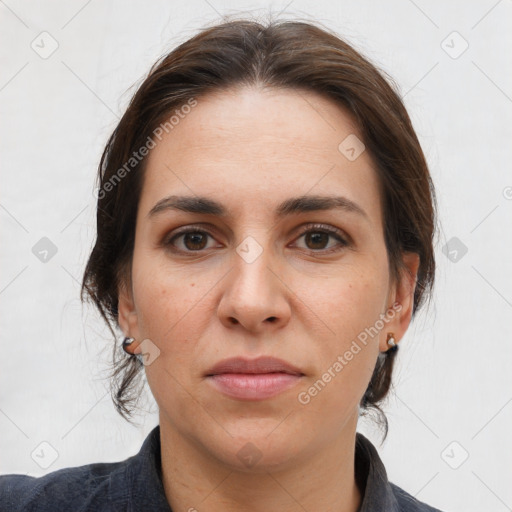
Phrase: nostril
(234, 321)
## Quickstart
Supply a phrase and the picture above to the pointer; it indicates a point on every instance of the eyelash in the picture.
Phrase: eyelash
(310, 228)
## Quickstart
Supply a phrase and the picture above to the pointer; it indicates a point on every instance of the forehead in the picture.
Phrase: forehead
(252, 147)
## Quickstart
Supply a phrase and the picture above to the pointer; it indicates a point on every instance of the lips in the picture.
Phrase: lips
(257, 379)
(261, 365)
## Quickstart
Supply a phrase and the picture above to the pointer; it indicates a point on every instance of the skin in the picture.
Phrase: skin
(250, 149)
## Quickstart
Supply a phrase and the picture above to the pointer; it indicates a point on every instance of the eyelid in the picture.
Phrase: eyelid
(208, 229)
(344, 240)
(324, 227)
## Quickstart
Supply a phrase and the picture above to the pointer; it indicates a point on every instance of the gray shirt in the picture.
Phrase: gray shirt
(135, 484)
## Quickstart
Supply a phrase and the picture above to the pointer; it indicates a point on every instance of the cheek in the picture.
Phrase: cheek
(353, 299)
(171, 310)
(351, 306)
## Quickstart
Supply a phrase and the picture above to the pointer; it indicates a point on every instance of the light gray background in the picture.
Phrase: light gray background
(453, 377)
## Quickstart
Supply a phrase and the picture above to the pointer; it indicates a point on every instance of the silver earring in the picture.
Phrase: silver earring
(126, 343)
(391, 339)
(393, 347)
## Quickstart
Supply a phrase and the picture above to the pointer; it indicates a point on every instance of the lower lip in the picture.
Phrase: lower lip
(245, 386)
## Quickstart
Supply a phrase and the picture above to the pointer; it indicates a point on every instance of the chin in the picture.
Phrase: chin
(261, 452)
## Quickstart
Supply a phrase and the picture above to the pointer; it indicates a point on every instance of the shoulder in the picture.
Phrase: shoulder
(79, 488)
(378, 492)
(408, 503)
(130, 484)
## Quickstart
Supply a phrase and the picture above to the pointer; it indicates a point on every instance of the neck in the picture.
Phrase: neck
(196, 481)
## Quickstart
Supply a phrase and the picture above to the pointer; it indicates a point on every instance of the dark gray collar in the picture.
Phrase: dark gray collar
(141, 484)
(372, 479)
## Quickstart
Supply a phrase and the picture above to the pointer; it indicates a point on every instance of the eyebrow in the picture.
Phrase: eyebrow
(294, 205)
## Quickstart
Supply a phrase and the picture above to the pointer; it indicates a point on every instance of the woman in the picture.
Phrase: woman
(264, 237)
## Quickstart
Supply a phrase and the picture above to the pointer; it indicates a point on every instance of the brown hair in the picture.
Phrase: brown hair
(279, 54)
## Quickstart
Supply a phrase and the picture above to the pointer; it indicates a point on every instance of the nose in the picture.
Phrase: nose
(256, 297)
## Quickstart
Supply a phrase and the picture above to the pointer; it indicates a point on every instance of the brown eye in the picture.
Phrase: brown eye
(317, 237)
(192, 240)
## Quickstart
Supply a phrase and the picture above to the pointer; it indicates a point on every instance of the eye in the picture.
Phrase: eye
(317, 236)
(192, 240)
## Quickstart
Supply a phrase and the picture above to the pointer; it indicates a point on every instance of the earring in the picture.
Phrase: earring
(126, 343)
(390, 340)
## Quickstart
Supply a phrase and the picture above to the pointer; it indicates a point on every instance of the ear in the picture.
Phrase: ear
(401, 301)
(128, 318)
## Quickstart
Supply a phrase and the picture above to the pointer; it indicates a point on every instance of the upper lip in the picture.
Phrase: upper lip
(264, 364)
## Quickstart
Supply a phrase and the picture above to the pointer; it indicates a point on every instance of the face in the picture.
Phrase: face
(299, 284)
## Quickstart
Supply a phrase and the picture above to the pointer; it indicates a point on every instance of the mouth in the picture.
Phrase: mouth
(261, 365)
(253, 379)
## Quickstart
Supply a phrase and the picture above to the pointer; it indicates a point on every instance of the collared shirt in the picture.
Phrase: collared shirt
(135, 484)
